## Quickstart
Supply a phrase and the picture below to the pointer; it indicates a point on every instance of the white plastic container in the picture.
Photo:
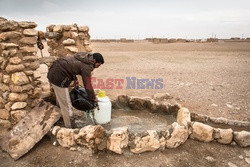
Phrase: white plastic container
(103, 115)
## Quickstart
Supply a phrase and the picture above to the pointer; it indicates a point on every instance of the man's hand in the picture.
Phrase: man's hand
(96, 102)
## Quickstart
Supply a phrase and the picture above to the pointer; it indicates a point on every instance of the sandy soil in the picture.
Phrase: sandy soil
(207, 78)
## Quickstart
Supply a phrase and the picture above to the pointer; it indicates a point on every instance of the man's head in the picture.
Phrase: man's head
(98, 59)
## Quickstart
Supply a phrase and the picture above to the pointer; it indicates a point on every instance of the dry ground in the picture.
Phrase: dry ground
(207, 78)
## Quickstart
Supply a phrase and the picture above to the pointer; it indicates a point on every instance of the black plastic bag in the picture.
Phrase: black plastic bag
(79, 99)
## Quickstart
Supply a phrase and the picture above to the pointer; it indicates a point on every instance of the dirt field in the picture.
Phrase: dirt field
(207, 78)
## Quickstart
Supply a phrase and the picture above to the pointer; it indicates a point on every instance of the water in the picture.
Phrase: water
(138, 119)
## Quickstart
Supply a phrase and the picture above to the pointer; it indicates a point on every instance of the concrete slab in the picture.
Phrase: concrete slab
(30, 130)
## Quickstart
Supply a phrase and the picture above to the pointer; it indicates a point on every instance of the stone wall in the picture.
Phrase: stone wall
(66, 40)
(139, 140)
(19, 84)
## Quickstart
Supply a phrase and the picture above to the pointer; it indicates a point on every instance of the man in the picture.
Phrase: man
(63, 72)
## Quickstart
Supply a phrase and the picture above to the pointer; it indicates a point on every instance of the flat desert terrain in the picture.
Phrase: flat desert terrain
(207, 78)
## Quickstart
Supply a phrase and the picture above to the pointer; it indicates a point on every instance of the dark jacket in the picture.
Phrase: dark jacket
(63, 70)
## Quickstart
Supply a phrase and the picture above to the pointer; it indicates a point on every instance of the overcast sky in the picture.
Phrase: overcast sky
(138, 18)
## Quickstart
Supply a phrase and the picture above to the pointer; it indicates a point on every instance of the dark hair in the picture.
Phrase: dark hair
(98, 58)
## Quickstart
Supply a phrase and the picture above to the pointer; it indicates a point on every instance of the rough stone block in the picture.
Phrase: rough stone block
(4, 87)
(83, 28)
(30, 32)
(91, 136)
(69, 42)
(6, 79)
(123, 100)
(4, 124)
(18, 97)
(13, 52)
(202, 132)
(29, 40)
(2, 102)
(4, 114)
(86, 42)
(8, 45)
(118, 139)
(71, 49)
(27, 24)
(242, 138)
(58, 28)
(17, 115)
(66, 27)
(36, 75)
(14, 68)
(183, 116)
(19, 78)
(27, 49)
(137, 103)
(18, 105)
(37, 92)
(5, 53)
(178, 136)
(73, 35)
(73, 28)
(224, 136)
(9, 35)
(82, 35)
(147, 143)
(15, 60)
(20, 89)
(30, 58)
(8, 25)
(65, 137)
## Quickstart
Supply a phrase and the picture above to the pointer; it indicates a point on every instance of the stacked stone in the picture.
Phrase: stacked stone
(140, 140)
(67, 39)
(19, 83)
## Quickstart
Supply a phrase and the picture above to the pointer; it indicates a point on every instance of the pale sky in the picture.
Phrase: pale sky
(138, 19)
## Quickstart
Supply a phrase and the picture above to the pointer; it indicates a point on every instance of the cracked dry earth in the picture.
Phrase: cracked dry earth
(207, 78)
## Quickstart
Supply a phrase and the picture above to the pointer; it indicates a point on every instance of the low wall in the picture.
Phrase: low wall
(140, 140)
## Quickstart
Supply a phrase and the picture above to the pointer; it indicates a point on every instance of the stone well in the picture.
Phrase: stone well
(138, 139)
